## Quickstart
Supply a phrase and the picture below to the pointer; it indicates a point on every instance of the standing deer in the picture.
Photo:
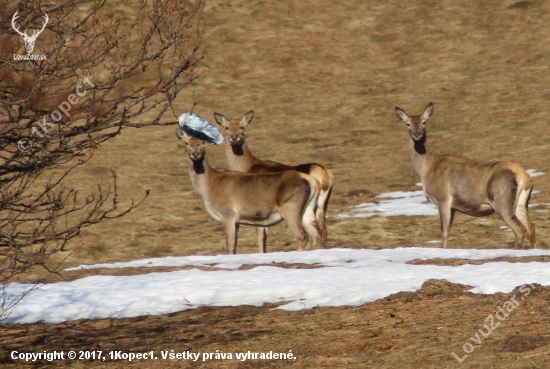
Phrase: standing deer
(454, 183)
(29, 40)
(241, 159)
(261, 200)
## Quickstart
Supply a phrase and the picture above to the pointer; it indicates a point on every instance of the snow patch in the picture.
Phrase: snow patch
(534, 173)
(346, 277)
(412, 203)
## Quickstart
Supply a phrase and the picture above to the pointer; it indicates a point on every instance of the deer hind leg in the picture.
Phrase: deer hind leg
(231, 235)
(309, 222)
(295, 224)
(523, 216)
(506, 211)
(506, 199)
(310, 215)
(321, 213)
(292, 213)
(324, 185)
(320, 216)
(519, 230)
(446, 216)
(261, 234)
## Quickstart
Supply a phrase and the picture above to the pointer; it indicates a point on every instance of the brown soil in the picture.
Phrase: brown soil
(76, 274)
(323, 78)
(457, 262)
(406, 330)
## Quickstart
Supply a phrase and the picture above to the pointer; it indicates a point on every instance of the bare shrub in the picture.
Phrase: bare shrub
(129, 60)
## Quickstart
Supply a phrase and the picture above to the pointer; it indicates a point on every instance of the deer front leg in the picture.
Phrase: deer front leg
(261, 234)
(231, 235)
(446, 216)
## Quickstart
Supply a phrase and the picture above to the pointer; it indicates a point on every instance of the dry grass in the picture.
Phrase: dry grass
(458, 262)
(323, 78)
(406, 330)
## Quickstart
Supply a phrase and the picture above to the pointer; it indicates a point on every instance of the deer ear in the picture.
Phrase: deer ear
(181, 135)
(220, 119)
(428, 111)
(401, 114)
(247, 118)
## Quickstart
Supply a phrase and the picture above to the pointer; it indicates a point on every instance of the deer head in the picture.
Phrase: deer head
(234, 128)
(195, 146)
(29, 40)
(416, 124)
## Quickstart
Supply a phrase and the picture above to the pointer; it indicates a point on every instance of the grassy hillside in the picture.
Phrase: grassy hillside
(323, 78)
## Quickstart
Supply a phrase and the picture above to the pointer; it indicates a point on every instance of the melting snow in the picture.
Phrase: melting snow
(345, 277)
(401, 203)
(534, 173)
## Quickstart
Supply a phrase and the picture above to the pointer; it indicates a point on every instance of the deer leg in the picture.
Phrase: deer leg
(320, 219)
(310, 224)
(315, 233)
(511, 204)
(309, 221)
(300, 234)
(446, 216)
(322, 205)
(231, 235)
(513, 222)
(519, 231)
(261, 234)
(504, 206)
(523, 216)
(293, 217)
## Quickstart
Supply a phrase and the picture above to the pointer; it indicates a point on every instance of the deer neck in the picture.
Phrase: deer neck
(200, 173)
(239, 157)
(419, 157)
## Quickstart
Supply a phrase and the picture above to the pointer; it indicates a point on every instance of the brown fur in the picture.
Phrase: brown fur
(241, 159)
(455, 183)
(260, 200)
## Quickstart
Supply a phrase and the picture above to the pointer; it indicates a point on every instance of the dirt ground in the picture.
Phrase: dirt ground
(407, 330)
(323, 78)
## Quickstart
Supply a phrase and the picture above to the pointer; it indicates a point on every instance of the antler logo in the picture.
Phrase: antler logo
(29, 40)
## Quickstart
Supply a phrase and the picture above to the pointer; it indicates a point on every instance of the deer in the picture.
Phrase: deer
(241, 159)
(455, 183)
(29, 40)
(260, 200)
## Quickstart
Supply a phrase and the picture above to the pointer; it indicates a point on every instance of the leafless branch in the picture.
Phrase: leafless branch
(110, 66)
